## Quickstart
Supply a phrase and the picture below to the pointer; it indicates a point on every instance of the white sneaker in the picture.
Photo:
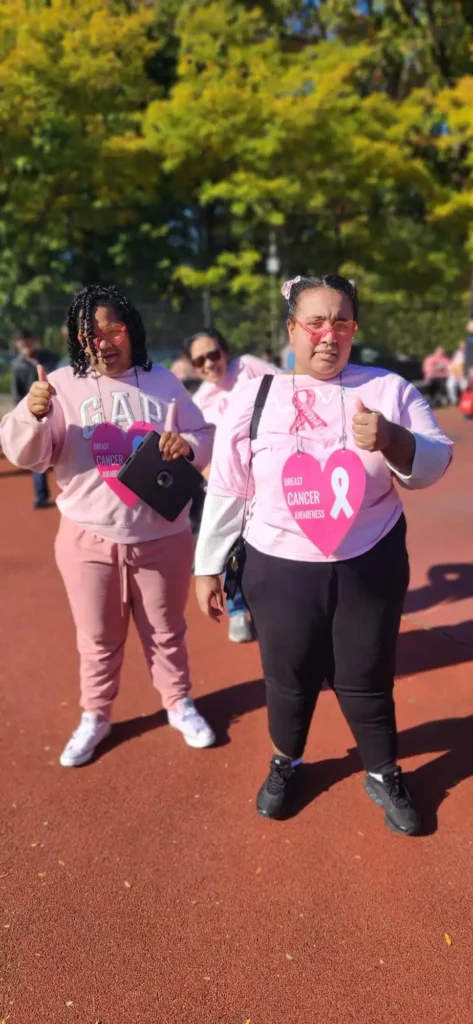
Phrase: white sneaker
(93, 728)
(195, 730)
(241, 629)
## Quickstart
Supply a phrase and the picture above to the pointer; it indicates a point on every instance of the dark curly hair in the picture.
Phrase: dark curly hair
(80, 318)
(335, 281)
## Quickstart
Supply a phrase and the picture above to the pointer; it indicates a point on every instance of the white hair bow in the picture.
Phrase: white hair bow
(286, 288)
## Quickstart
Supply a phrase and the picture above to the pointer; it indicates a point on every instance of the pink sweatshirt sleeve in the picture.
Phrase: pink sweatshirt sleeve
(231, 457)
(30, 443)
(189, 421)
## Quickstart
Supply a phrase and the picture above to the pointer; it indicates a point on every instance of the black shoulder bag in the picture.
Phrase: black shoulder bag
(235, 562)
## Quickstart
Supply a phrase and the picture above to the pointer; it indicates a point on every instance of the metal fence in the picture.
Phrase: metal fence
(413, 331)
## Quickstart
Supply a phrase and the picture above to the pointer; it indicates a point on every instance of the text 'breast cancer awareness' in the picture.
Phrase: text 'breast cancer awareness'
(340, 482)
(305, 412)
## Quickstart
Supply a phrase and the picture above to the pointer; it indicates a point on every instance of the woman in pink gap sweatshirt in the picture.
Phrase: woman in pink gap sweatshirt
(209, 353)
(326, 568)
(116, 555)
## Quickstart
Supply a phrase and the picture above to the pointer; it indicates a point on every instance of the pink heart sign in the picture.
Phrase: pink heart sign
(324, 502)
(110, 450)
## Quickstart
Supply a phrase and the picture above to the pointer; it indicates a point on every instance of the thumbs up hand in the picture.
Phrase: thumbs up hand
(371, 430)
(40, 395)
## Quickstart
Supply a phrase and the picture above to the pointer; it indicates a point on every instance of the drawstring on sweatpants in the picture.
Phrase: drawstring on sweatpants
(123, 570)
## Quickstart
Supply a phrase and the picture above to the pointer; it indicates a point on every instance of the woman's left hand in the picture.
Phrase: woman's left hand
(172, 446)
(371, 430)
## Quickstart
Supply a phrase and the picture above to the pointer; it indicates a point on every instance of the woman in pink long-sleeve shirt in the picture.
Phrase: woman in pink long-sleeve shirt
(209, 353)
(326, 568)
(116, 555)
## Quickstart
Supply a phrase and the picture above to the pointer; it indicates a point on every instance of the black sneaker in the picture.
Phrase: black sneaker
(274, 796)
(400, 814)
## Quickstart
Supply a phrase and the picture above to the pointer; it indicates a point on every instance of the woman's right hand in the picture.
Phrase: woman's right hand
(210, 596)
(40, 395)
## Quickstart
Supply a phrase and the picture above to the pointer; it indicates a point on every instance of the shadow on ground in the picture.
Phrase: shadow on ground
(222, 708)
(447, 583)
(423, 650)
(449, 739)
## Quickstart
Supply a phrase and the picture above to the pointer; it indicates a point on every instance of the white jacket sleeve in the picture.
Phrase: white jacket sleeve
(433, 451)
(230, 483)
(221, 525)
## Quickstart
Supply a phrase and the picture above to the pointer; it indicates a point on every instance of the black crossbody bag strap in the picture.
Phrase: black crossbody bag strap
(263, 392)
(236, 557)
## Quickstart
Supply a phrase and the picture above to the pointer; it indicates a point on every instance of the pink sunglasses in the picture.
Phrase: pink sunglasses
(343, 330)
(113, 333)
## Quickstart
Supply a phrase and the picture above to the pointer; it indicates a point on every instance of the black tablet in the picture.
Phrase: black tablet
(166, 486)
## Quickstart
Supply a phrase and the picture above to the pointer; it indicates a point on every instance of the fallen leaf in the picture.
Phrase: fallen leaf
(41, 874)
(69, 1002)
(258, 871)
(448, 939)
(62, 863)
(289, 957)
(206, 978)
(127, 885)
(34, 844)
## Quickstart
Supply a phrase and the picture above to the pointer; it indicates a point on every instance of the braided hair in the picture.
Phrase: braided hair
(80, 320)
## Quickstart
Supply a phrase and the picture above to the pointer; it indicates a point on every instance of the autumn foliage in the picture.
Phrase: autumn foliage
(158, 143)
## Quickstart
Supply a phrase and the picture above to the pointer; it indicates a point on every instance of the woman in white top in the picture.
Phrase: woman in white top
(209, 353)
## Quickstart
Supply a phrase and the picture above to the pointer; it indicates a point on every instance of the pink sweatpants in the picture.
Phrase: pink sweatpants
(104, 583)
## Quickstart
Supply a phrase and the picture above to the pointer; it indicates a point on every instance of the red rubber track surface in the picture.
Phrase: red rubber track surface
(144, 888)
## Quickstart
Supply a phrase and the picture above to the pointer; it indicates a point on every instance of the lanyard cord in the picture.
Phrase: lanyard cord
(97, 376)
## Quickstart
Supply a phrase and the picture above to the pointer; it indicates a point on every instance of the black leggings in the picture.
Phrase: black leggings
(337, 621)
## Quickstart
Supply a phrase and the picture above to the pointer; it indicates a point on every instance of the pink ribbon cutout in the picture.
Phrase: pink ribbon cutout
(305, 412)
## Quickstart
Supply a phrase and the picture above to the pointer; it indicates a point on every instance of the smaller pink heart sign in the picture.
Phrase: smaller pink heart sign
(324, 502)
(110, 450)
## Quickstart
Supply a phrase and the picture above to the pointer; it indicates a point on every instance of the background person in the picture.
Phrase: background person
(184, 371)
(436, 369)
(326, 568)
(209, 353)
(268, 356)
(116, 555)
(456, 380)
(24, 373)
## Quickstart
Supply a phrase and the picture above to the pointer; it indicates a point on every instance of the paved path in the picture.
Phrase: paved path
(144, 889)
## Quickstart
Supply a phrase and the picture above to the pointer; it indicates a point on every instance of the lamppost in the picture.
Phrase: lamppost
(273, 266)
